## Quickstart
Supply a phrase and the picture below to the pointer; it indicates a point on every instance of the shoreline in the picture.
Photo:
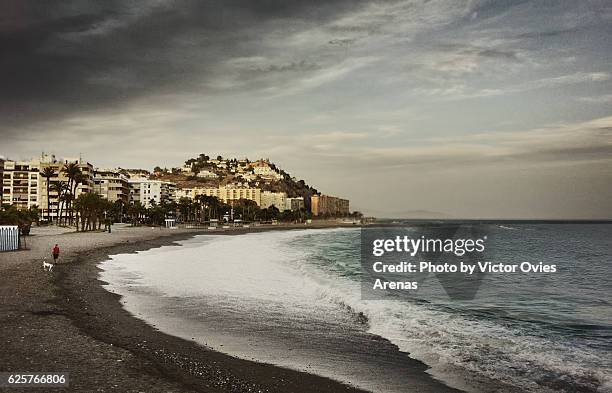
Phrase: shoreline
(148, 359)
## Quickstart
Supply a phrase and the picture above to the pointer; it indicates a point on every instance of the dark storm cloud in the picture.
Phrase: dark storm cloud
(60, 58)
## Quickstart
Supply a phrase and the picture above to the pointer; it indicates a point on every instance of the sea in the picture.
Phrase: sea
(293, 298)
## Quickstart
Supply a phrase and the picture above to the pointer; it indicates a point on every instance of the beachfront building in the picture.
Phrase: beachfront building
(1, 171)
(20, 184)
(294, 204)
(148, 191)
(56, 206)
(327, 205)
(24, 187)
(276, 199)
(112, 185)
(226, 194)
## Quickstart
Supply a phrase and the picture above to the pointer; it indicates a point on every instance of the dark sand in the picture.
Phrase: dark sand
(65, 321)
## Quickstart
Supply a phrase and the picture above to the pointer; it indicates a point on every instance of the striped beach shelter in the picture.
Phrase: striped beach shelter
(9, 237)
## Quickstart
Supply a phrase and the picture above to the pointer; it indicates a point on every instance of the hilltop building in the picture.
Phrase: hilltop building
(262, 168)
(322, 205)
(205, 174)
(186, 169)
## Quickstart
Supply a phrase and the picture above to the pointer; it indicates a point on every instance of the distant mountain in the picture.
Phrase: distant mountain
(418, 214)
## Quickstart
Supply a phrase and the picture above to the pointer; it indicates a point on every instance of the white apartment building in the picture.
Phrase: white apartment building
(277, 199)
(207, 174)
(186, 169)
(21, 184)
(147, 191)
(266, 172)
(24, 187)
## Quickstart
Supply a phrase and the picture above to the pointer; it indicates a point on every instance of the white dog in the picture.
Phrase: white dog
(47, 265)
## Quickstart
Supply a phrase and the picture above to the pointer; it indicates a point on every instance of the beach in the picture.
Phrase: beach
(66, 321)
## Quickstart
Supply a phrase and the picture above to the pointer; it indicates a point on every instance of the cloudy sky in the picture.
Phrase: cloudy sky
(467, 108)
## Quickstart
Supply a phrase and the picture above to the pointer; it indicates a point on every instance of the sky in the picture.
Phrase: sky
(450, 108)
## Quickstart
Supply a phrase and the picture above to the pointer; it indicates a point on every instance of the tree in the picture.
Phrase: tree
(48, 173)
(90, 209)
(60, 188)
(78, 179)
(211, 203)
(10, 215)
(184, 207)
(246, 208)
(136, 210)
(156, 214)
(74, 175)
(117, 210)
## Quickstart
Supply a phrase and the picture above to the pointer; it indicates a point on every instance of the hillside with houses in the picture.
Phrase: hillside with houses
(65, 190)
(204, 171)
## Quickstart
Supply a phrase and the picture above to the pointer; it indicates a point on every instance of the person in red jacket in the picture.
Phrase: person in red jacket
(56, 252)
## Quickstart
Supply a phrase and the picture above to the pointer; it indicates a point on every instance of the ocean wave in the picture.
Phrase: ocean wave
(454, 345)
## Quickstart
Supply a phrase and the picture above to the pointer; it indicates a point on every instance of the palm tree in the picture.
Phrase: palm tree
(60, 189)
(71, 170)
(78, 179)
(91, 210)
(48, 173)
